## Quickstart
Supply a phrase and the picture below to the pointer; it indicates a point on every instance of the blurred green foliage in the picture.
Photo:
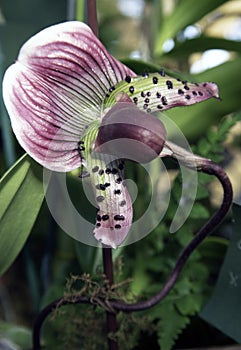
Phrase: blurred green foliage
(52, 255)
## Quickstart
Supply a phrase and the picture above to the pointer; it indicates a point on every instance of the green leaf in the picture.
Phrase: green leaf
(18, 335)
(211, 146)
(189, 304)
(170, 325)
(202, 192)
(195, 120)
(199, 212)
(222, 310)
(21, 196)
(140, 67)
(188, 47)
(183, 14)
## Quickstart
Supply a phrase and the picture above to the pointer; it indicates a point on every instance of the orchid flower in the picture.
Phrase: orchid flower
(63, 92)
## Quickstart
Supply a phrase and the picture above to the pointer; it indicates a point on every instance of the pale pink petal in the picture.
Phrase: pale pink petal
(56, 88)
(114, 217)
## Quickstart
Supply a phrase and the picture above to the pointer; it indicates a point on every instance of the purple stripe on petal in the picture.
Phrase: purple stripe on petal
(56, 88)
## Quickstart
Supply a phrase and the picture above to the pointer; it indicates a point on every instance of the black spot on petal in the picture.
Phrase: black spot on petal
(158, 95)
(100, 199)
(100, 187)
(95, 169)
(80, 146)
(162, 73)
(118, 227)
(146, 100)
(123, 203)
(101, 172)
(128, 79)
(105, 217)
(169, 84)
(187, 97)
(164, 101)
(155, 80)
(131, 89)
(159, 107)
(118, 180)
(186, 87)
(180, 92)
(135, 99)
(117, 191)
(119, 217)
(143, 94)
(145, 75)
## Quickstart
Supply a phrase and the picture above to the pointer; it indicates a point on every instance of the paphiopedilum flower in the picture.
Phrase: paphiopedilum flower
(67, 96)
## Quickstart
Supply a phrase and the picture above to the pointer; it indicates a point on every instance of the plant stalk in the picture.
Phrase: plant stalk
(210, 168)
(92, 16)
(106, 252)
(110, 316)
(203, 165)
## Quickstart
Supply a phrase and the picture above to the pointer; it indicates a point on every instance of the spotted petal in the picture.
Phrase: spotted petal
(158, 92)
(114, 214)
(56, 88)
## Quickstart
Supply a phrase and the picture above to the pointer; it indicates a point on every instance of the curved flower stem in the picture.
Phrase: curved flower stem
(111, 317)
(210, 168)
(205, 166)
(47, 311)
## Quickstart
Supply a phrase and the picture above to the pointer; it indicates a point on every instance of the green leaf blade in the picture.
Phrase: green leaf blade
(21, 196)
(182, 17)
(195, 120)
(19, 336)
(183, 50)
